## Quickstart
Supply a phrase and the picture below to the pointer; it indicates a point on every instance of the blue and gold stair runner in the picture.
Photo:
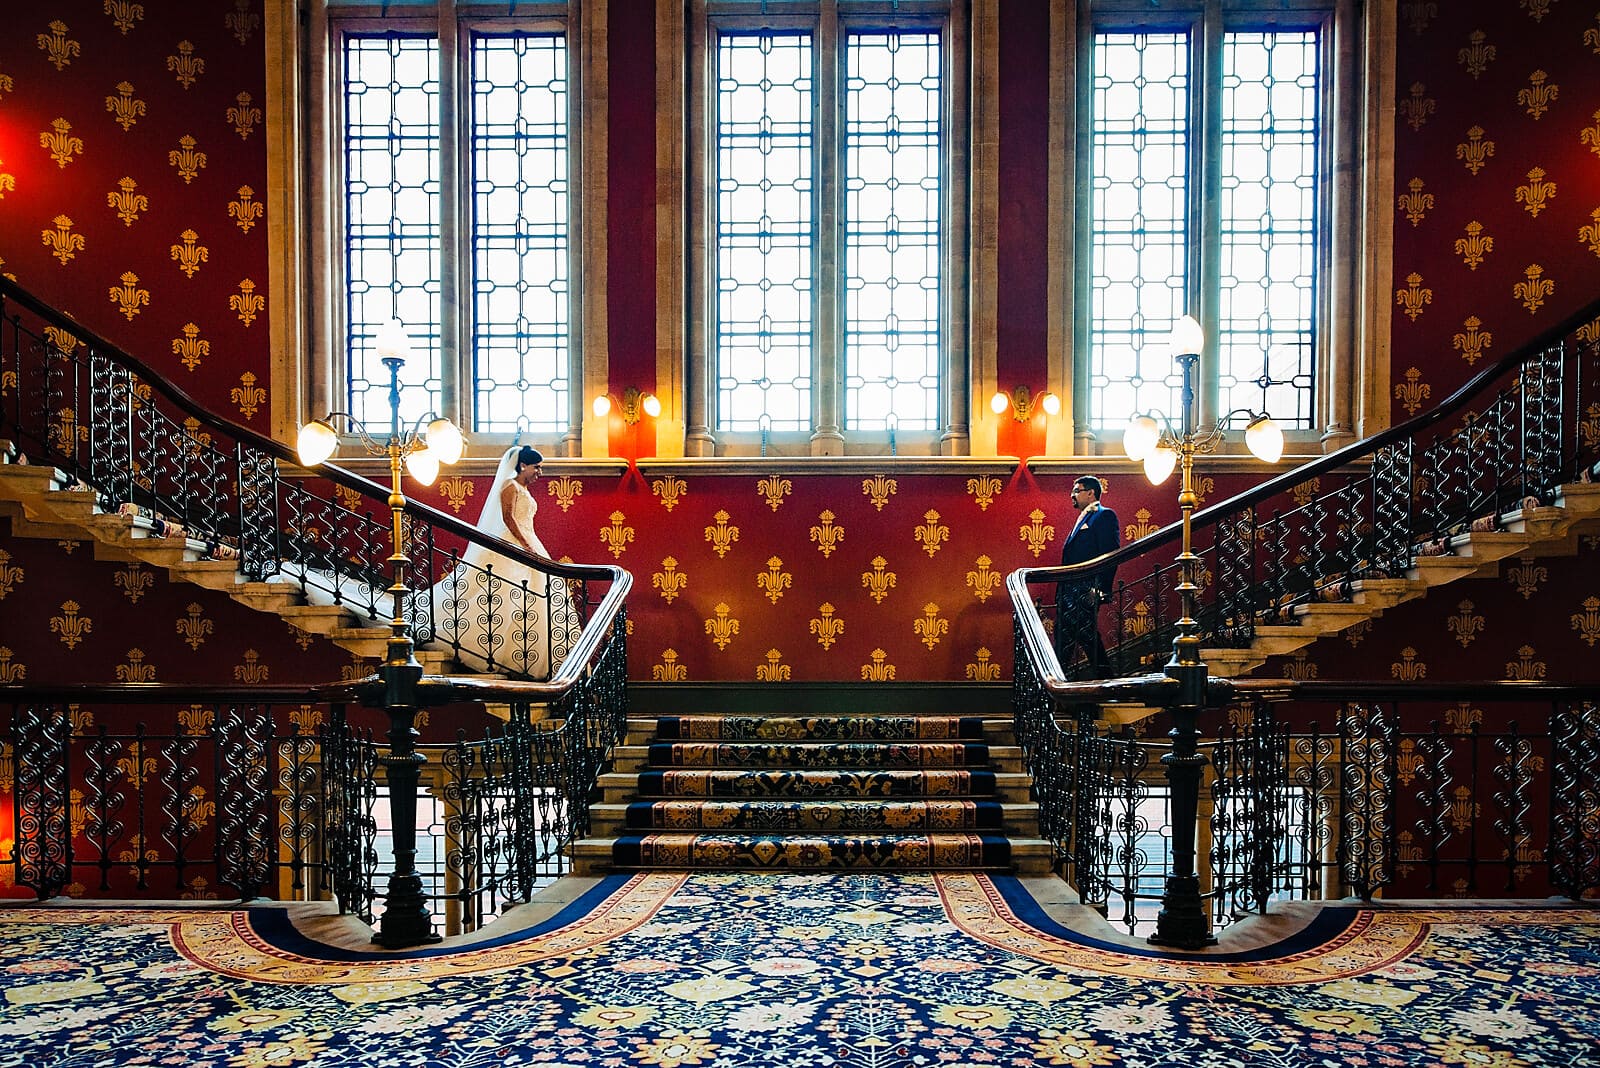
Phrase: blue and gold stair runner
(815, 793)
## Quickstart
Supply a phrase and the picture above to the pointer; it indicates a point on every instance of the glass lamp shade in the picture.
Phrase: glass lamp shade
(445, 440)
(316, 442)
(1142, 435)
(1264, 438)
(999, 402)
(651, 405)
(1187, 337)
(1052, 404)
(423, 465)
(1158, 465)
(601, 406)
(392, 341)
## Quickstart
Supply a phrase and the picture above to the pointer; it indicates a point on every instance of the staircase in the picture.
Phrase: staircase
(815, 794)
(43, 502)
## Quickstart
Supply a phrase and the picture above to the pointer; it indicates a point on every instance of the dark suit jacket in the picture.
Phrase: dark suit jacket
(1098, 535)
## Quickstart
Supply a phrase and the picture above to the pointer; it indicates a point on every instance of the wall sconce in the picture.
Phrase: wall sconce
(1021, 401)
(633, 403)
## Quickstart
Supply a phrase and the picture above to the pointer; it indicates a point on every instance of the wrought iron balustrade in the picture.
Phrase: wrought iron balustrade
(72, 401)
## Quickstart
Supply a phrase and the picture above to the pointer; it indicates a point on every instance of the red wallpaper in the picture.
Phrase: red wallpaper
(132, 182)
(1497, 183)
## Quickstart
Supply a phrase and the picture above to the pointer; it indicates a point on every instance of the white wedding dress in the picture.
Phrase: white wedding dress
(495, 614)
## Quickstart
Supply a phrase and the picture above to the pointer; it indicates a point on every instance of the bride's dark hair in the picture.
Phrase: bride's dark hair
(528, 456)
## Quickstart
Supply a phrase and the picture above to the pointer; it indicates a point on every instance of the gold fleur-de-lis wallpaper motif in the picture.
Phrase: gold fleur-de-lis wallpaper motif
(62, 242)
(125, 107)
(247, 395)
(126, 202)
(1534, 289)
(669, 670)
(1589, 236)
(1418, 13)
(983, 582)
(1299, 666)
(244, 115)
(246, 211)
(129, 296)
(1587, 622)
(774, 488)
(1475, 246)
(1408, 668)
(1472, 340)
(189, 253)
(1416, 108)
(879, 488)
(669, 580)
(1525, 668)
(63, 147)
(1590, 135)
(124, 13)
(194, 628)
(565, 490)
(930, 628)
(1139, 622)
(136, 670)
(878, 582)
(11, 575)
(242, 21)
(1413, 296)
(983, 669)
(252, 672)
(1478, 54)
(57, 47)
(186, 65)
(349, 498)
(617, 536)
(1305, 491)
(669, 489)
(1527, 575)
(1474, 152)
(187, 158)
(134, 582)
(1536, 9)
(1466, 624)
(456, 489)
(774, 670)
(301, 638)
(826, 534)
(774, 580)
(195, 720)
(721, 535)
(722, 627)
(11, 670)
(879, 670)
(1589, 426)
(1539, 95)
(8, 182)
(1462, 716)
(1415, 204)
(1036, 532)
(983, 489)
(247, 303)
(1413, 391)
(826, 626)
(1141, 526)
(931, 535)
(1536, 193)
(70, 625)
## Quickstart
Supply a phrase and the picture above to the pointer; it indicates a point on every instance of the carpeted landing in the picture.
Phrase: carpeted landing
(681, 970)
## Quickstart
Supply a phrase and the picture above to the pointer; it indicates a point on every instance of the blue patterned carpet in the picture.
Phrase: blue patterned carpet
(743, 969)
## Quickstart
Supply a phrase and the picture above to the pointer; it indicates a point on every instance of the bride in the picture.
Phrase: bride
(495, 613)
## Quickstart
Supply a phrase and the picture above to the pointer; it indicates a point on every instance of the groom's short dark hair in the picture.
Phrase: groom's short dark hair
(1090, 483)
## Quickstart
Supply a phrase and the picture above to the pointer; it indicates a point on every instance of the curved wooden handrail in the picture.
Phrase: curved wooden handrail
(9, 290)
(152, 693)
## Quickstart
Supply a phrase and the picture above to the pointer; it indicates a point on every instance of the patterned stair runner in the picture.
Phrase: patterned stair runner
(824, 792)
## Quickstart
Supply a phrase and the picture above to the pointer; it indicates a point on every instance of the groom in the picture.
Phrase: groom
(1078, 601)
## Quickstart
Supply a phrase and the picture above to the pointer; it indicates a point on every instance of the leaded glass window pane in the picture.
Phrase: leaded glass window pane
(1266, 334)
(893, 230)
(1139, 229)
(765, 231)
(520, 232)
(392, 212)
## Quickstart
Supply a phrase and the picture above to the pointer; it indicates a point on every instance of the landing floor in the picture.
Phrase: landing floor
(737, 969)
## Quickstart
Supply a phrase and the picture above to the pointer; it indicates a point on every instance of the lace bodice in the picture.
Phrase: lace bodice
(520, 514)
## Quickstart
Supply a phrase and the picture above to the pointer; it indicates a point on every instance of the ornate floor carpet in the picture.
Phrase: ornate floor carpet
(742, 969)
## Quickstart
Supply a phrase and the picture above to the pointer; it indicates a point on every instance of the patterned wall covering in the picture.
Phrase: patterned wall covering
(132, 182)
(1497, 184)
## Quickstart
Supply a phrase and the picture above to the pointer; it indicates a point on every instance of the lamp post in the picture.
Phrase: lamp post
(1182, 921)
(406, 920)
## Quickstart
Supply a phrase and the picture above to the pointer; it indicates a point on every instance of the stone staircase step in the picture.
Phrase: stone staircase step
(815, 815)
(814, 852)
(818, 728)
(832, 755)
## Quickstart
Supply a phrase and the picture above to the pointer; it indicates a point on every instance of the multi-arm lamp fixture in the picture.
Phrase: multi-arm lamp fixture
(1021, 401)
(633, 404)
